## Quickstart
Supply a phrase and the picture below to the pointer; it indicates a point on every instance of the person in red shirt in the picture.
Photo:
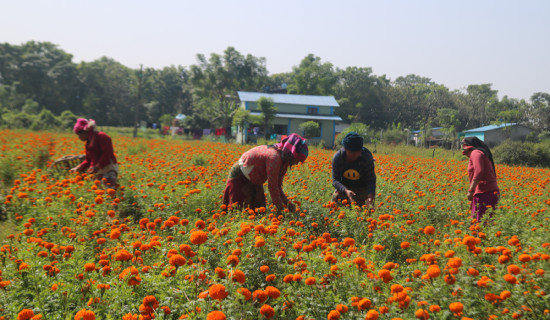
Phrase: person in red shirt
(260, 164)
(100, 158)
(483, 190)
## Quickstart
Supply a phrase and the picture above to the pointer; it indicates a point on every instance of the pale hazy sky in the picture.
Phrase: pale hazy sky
(453, 42)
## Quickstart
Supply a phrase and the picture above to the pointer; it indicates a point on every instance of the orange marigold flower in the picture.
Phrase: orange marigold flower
(435, 308)
(513, 269)
(524, 258)
(216, 315)
(25, 314)
(505, 294)
(405, 245)
(260, 242)
(433, 271)
(259, 295)
(359, 261)
(310, 281)
(267, 311)
(473, 272)
(348, 242)
(429, 230)
(245, 293)
(123, 255)
(233, 260)
(372, 315)
(333, 315)
(84, 314)
(342, 308)
(454, 262)
(385, 275)
(217, 292)
(421, 314)
(200, 224)
(288, 278)
(238, 276)
(264, 269)
(150, 301)
(89, 267)
(177, 260)
(456, 307)
(364, 304)
(396, 288)
(198, 237)
(272, 292)
(510, 279)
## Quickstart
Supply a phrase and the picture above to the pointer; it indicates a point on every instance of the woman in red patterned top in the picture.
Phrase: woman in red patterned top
(100, 157)
(261, 164)
(483, 190)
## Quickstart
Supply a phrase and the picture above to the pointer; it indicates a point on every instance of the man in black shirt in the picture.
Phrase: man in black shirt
(353, 174)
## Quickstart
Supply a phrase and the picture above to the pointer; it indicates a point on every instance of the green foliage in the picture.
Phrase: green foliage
(41, 157)
(362, 129)
(395, 134)
(7, 172)
(31, 107)
(310, 128)
(166, 119)
(519, 153)
(267, 106)
(137, 149)
(18, 120)
(67, 119)
(39, 75)
(46, 121)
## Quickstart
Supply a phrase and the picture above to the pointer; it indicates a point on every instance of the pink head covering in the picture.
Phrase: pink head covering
(81, 125)
(295, 145)
(84, 125)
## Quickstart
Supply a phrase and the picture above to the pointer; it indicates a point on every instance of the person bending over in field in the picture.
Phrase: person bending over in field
(260, 164)
(483, 190)
(100, 158)
(353, 174)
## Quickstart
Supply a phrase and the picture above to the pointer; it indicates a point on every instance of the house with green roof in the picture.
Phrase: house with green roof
(497, 133)
(292, 110)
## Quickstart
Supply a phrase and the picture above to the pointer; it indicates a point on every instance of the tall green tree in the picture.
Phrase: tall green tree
(449, 121)
(415, 100)
(267, 106)
(538, 114)
(42, 72)
(108, 92)
(166, 91)
(481, 99)
(215, 81)
(362, 97)
(312, 77)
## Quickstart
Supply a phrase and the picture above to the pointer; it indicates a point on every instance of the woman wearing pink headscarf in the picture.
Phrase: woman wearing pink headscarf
(260, 164)
(100, 158)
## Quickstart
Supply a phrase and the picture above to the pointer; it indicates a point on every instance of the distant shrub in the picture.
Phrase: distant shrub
(362, 129)
(394, 134)
(516, 153)
(310, 128)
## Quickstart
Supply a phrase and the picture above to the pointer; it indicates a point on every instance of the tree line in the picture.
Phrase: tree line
(40, 87)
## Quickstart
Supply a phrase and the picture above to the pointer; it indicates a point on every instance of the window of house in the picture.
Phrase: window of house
(312, 110)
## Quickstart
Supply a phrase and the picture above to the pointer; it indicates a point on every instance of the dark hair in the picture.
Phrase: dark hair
(481, 146)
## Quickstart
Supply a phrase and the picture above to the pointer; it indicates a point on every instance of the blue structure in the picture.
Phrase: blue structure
(294, 109)
(496, 133)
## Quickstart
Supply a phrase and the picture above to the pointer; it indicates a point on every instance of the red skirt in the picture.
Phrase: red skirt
(240, 191)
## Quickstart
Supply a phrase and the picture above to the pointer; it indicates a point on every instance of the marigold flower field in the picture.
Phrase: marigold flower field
(163, 246)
